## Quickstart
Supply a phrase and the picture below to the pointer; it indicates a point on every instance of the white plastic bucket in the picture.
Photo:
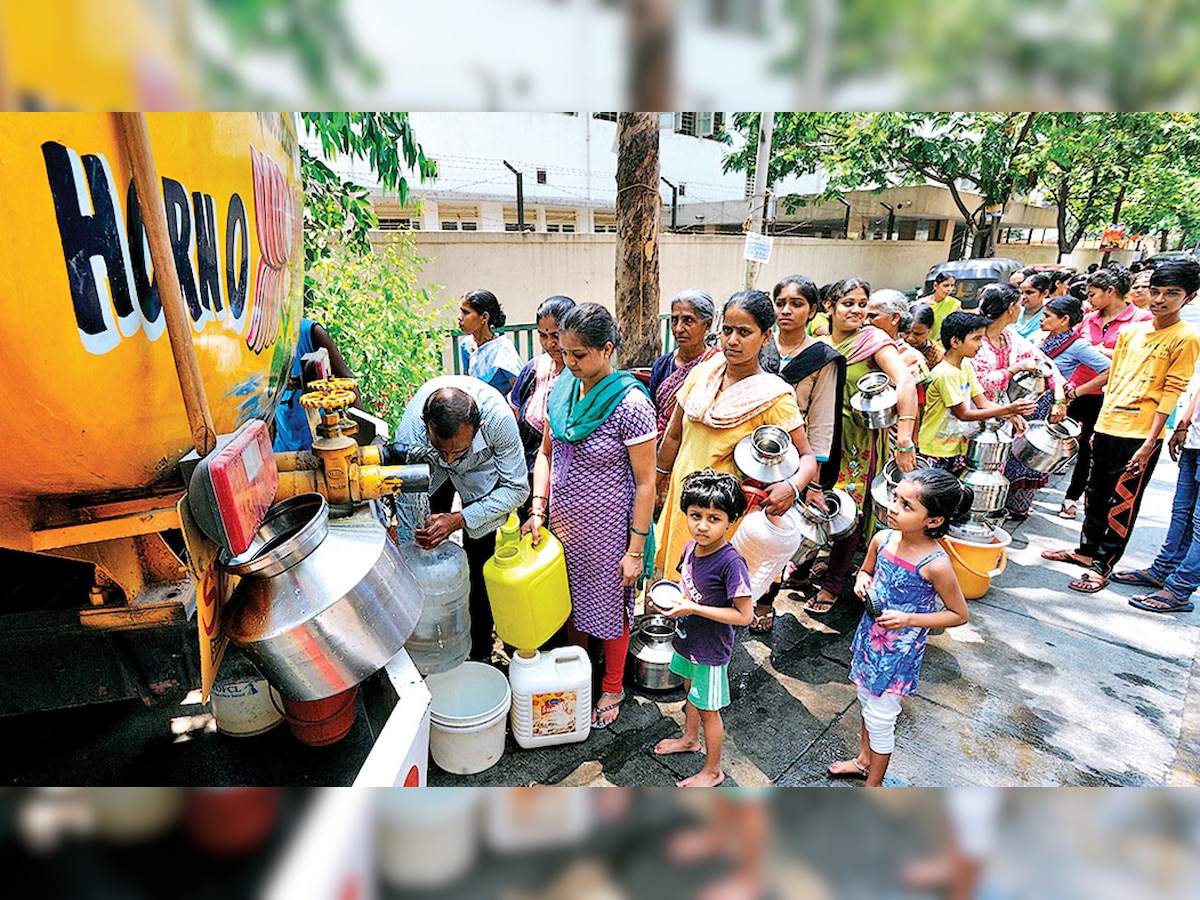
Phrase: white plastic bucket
(468, 717)
(244, 708)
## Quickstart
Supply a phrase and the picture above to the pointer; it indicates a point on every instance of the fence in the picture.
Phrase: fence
(526, 334)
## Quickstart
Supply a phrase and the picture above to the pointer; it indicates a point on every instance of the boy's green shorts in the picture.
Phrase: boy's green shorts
(710, 684)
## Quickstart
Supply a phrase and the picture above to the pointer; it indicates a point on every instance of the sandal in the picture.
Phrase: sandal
(818, 607)
(1067, 556)
(762, 624)
(1161, 601)
(1068, 510)
(1136, 577)
(615, 702)
(1089, 583)
(859, 770)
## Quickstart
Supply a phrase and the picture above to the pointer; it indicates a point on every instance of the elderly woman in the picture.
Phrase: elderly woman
(692, 313)
(488, 356)
(919, 334)
(1139, 290)
(888, 311)
(867, 349)
(531, 390)
(722, 401)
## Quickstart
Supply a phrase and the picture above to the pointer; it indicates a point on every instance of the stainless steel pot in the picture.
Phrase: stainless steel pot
(990, 488)
(1029, 384)
(650, 650)
(843, 513)
(767, 455)
(988, 450)
(814, 532)
(875, 403)
(1048, 447)
(321, 605)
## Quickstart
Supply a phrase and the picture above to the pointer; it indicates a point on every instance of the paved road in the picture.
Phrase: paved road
(1044, 686)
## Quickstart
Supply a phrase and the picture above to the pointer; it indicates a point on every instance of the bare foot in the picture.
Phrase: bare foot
(848, 768)
(703, 778)
(677, 745)
(737, 887)
(691, 846)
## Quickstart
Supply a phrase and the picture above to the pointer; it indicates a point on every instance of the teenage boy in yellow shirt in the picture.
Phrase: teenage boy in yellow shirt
(1152, 364)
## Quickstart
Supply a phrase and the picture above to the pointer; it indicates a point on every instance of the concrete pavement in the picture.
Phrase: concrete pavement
(1044, 686)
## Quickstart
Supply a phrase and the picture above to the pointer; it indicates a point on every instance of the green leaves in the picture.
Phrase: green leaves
(382, 319)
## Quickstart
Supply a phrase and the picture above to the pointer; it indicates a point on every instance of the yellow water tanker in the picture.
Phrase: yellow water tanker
(90, 398)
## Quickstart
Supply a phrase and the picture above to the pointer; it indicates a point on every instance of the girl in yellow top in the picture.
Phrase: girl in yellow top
(943, 302)
(722, 401)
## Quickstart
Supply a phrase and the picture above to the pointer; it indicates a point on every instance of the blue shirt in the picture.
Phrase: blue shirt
(491, 477)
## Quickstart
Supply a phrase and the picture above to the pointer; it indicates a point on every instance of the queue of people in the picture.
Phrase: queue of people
(640, 484)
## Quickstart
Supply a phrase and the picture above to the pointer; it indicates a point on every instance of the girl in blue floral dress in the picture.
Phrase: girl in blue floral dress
(903, 576)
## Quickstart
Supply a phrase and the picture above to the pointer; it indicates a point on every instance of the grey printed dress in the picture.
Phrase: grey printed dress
(591, 509)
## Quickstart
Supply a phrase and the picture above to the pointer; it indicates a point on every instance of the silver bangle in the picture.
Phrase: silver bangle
(661, 471)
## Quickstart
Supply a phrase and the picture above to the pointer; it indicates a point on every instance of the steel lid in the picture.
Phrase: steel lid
(292, 529)
(772, 459)
(973, 532)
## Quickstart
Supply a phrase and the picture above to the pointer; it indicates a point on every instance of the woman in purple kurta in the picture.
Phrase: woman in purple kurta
(594, 477)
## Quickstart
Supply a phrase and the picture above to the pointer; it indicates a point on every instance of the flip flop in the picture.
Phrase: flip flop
(1068, 511)
(1136, 577)
(816, 607)
(1171, 602)
(859, 770)
(599, 724)
(1089, 583)
(762, 624)
(1067, 556)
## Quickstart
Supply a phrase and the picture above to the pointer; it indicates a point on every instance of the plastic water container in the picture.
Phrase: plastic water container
(242, 701)
(527, 589)
(551, 696)
(467, 717)
(442, 638)
(767, 543)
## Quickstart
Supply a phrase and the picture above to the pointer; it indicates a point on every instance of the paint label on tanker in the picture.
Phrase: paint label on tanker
(107, 255)
(554, 713)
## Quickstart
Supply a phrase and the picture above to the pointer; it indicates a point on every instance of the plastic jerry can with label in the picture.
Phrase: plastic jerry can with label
(527, 590)
(551, 696)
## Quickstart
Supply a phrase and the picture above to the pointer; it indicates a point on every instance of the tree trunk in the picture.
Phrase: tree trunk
(652, 28)
(639, 212)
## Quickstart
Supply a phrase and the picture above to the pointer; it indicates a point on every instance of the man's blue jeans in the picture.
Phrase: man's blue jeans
(1178, 562)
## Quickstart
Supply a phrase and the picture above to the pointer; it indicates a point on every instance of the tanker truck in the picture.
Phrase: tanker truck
(140, 344)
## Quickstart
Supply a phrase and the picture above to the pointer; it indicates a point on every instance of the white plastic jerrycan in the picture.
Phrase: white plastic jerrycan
(551, 696)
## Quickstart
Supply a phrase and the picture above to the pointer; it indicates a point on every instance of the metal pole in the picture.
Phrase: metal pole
(674, 204)
(179, 329)
(520, 195)
(758, 211)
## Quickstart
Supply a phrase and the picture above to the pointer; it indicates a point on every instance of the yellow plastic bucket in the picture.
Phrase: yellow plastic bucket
(977, 564)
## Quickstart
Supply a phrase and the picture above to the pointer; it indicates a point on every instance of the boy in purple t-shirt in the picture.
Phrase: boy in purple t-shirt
(716, 589)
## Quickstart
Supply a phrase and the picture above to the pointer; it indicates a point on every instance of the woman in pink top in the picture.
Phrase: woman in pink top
(1106, 292)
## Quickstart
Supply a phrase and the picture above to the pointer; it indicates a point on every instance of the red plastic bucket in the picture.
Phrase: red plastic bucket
(321, 722)
(231, 821)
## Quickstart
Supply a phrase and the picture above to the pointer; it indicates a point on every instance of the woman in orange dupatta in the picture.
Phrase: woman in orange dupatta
(722, 401)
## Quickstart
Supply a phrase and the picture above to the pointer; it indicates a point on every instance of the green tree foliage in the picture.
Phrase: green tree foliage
(382, 319)
(987, 153)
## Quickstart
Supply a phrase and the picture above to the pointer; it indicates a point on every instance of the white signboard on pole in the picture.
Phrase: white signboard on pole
(758, 247)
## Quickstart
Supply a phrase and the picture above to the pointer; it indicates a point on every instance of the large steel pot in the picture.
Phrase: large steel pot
(650, 650)
(1048, 447)
(875, 403)
(988, 450)
(843, 513)
(1029, 384)
(814, 532)
(990, 488)
(321, 605)
(767, 455)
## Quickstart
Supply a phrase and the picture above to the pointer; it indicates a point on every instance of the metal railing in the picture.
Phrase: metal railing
(525, 336)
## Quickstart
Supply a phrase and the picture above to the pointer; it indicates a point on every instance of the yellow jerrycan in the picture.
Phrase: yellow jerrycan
(527, 587)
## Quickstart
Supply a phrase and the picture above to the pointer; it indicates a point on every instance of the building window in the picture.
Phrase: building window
(470, 226)
(541, 176)
(685, 123)
(605, 116)
(449, 225)
(388, 223)
(682, 189)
